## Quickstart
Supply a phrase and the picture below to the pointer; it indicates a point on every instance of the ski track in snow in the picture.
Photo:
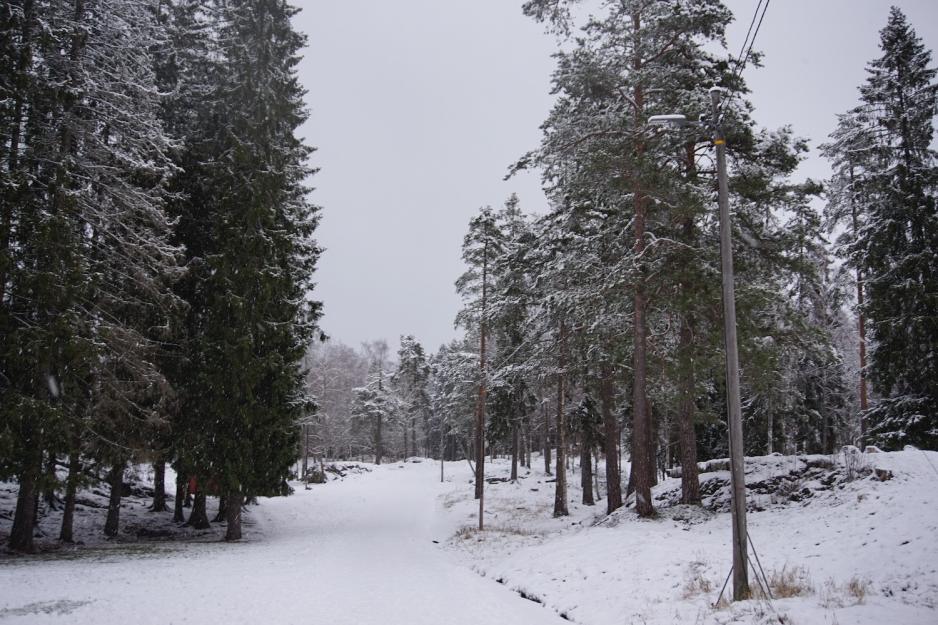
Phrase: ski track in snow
(358, 552)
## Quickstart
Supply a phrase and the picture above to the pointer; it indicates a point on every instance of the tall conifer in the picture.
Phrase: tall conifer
(897, 246)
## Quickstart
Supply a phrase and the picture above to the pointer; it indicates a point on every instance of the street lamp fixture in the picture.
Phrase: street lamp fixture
(733, 403)
(670, 120)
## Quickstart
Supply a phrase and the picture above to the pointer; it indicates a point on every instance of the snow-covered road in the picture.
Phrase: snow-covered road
(359, 552)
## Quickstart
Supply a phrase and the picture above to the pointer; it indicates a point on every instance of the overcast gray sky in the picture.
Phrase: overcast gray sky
(419, 107)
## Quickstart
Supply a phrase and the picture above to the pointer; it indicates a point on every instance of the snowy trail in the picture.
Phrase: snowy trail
(358, 552)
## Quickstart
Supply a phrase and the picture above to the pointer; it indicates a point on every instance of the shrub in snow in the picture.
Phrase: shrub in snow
(315, 476)
(855, 464)
(790, 582)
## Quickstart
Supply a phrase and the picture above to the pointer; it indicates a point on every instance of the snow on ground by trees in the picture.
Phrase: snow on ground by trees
(391, 544)
(863, 551)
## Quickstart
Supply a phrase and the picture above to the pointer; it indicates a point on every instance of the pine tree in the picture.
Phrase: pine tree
(896, 247)
(482, 244)
(851, 152)
(626, 64)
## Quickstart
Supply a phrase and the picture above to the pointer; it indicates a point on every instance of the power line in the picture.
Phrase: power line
(755, 34)
(744, 57)
(752, 23)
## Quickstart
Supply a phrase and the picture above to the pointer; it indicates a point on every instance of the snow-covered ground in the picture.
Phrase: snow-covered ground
(354, 552)
(863, 551)
(395, 546)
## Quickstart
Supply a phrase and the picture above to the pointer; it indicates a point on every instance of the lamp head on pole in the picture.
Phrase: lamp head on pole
(668, 120)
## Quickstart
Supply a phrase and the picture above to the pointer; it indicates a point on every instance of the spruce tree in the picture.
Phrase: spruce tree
(131, 260)
(411, 380)
(896, 247)
(510, 304)
(86, 288)
(454, 387)
(247, 226)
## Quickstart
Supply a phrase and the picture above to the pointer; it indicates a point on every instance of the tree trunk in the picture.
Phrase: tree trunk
(180, 499)
(159, 486)
(479, 442)
(514, 450)
(560, 490)
(770, 433)
(378, 443)
(115, 479)
(599, 493)
(198, 517)
(611, 427)
(24, 518)
(442, 449)
(654, 445)
(406, 447)
(305, 452)
(49, 483)
(233, 515)
(690, 481)
(480, 405)
(546, 439)
(221, 515)
(586, 473)
(71, 489)
(641, 419)
(526, 442)
(640, 475)
(861, 325)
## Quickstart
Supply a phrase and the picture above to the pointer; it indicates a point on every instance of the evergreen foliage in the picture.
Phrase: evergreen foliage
(251, 259)
(411, 380)
(890, 186)
(156, 245)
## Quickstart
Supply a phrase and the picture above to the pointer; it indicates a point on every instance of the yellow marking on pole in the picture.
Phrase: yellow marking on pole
(719, 142)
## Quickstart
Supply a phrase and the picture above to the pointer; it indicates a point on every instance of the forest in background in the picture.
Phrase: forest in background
(157, 254)
(594, 327)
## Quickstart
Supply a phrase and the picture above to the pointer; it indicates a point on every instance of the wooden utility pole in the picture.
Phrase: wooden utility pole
(733, 403)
